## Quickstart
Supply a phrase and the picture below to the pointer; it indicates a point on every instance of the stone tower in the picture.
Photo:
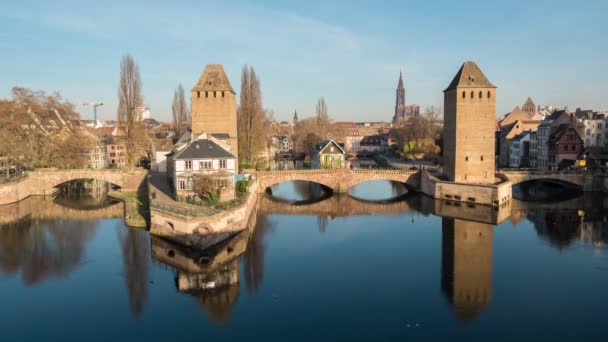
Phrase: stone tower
(214, 107)
(400, 101)
(469, 125)
(529, 107)
(466, 265)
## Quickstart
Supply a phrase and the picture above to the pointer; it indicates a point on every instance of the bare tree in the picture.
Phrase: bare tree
(252, 121)
(322, 118)
(37, 131)
(130, 101)
(181, 112)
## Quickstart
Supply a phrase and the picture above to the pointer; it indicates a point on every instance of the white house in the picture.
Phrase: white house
(206, 156)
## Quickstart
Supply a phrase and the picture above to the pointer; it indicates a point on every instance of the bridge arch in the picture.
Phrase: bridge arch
(47, 180)
(572, 179)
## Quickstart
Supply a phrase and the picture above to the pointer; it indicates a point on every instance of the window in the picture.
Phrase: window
(198, 94)
(190, 183)
(466, 158)
(464, 95)
(206, 94)
(215, 94)
(488, 94)
(205, 165)
(223, 163)
(222, 93)
(188, 164)
(472, 94)
(481, 158)
(480, 96)
(181, 184)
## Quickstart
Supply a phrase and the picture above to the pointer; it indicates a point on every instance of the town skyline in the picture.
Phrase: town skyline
(357, 72)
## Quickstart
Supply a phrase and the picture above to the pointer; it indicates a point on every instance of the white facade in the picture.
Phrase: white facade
(517, 150)
(542, 147)
(594, 132)
(160, 161)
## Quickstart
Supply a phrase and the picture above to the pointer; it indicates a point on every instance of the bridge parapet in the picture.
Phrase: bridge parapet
(339, 180)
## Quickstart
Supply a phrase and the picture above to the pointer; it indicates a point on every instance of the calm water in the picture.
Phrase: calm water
(328, 271)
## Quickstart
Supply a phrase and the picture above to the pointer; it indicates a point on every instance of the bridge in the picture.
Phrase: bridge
(519, 176)
(44, 182)
(338, 180)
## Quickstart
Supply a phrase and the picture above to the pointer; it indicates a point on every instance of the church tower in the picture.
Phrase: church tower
(400, 101)
(469, 127)
(529, 107)
(214, 107)
(295, 117)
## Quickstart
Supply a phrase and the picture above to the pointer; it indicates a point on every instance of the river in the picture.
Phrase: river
(358, 267)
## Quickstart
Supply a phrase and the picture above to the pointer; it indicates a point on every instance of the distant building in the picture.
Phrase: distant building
(529, 108)
(402, 111)
(374, 143)
(534, 149)
(594, 130)
(520, 150)
(469, 127)
(328, 155)
(295, 117)
(508, 132)
(565, 146)
(558, 120)
(282, 144)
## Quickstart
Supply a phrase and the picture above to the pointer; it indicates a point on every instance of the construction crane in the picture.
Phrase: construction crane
(94, 105)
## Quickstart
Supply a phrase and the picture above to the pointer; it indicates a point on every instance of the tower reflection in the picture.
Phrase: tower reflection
(466, 265)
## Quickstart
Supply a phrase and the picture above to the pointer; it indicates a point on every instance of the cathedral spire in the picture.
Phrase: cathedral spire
(295, 117)
(400, 85)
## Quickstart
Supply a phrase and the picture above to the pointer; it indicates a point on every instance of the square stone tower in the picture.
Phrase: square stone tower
(214, 107)
(469, 125)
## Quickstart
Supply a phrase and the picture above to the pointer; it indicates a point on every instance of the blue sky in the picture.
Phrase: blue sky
(348, 51)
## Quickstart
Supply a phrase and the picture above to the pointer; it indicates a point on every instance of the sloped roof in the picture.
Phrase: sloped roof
(213, 78)
(203, 149)
(323, 145)
(470, 76)
(529, 102)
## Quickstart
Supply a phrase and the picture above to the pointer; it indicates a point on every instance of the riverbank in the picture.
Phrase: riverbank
(137, 207)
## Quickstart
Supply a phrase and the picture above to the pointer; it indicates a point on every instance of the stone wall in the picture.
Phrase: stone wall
(202, 230)
(487, 194)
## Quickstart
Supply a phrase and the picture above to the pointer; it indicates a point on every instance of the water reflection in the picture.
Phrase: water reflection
(37, 243)
(211, 275)
(378, 190)
(39, 250)
(466, 265)
(135, 250)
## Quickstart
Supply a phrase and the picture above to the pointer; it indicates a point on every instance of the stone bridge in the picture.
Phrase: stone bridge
(335, 206)
(338, 180)
(43, 182)
(576, 178)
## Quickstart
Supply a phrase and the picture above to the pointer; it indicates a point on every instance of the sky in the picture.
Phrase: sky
(350, 52)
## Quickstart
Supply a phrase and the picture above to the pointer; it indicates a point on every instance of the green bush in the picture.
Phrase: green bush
(241, 186)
